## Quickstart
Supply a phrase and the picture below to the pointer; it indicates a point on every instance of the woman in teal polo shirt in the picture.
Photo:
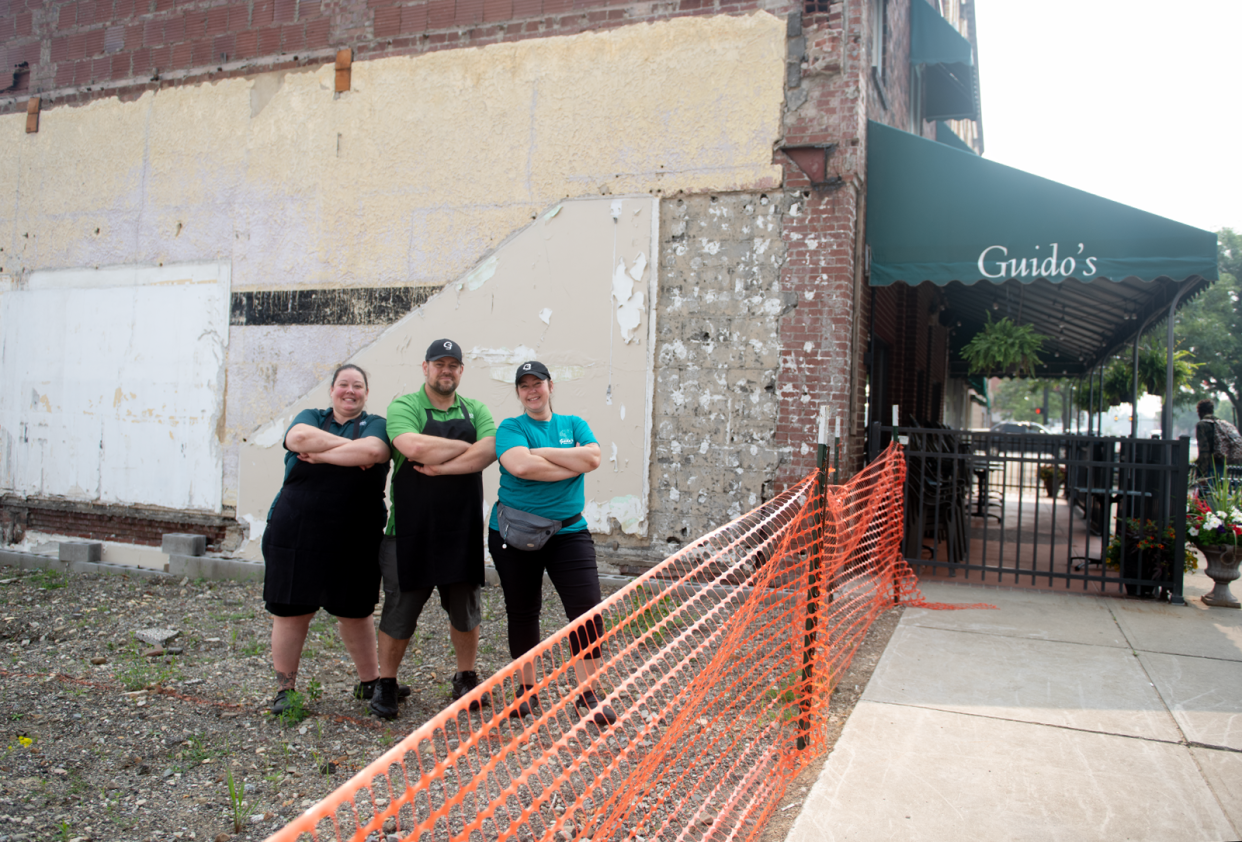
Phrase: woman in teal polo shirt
(543, 457)
(321, 544)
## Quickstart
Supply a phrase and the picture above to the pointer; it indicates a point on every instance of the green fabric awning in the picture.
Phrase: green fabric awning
(1087, 273)
(939, 214)
(980, 384)
(933, 40)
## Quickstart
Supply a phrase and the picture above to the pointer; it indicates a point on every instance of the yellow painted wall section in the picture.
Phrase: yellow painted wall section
(411, 176)
(414, 176)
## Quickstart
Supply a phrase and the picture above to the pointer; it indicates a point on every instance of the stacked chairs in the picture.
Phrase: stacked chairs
(938, 483)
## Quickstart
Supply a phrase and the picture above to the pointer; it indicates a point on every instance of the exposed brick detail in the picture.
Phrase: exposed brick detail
(60, 35)
(124, 524)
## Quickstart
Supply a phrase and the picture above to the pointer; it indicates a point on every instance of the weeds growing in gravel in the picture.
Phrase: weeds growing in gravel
(236, 803)
(139, 672)
(49, 580)
(640, 623)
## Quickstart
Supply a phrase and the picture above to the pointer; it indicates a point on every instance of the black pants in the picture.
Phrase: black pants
(569, 559)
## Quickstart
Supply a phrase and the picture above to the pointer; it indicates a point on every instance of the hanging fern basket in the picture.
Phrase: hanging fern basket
(1004, 348)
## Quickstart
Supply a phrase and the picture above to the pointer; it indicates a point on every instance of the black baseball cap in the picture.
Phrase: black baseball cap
(533, 367)
(443, 348)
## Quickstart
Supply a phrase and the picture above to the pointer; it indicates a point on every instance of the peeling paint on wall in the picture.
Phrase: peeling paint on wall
(482, 274)
(629, 301)
(500, 325)
(627, 511)
(293, 188)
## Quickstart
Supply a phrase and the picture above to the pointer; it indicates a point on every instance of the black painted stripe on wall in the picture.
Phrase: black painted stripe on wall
(344, 306)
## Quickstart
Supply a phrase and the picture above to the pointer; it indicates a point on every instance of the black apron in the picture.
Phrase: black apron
(324, 535)
(439, 520)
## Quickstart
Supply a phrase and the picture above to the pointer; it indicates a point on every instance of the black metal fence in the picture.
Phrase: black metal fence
(1047, 510)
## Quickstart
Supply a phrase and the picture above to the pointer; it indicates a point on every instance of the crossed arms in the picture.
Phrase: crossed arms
(320, 447)
(435, 456)
(549, 464)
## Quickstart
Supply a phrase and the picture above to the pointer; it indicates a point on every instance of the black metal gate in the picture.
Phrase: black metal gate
(1046, 510)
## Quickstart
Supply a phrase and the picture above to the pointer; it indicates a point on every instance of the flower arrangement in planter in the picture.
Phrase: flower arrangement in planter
(1148, 555)
(1053, 477)
(1214, 525)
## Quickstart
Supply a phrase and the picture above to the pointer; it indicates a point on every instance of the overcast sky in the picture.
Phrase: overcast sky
(1134, 100)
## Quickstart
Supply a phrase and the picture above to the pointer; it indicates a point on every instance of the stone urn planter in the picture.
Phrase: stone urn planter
(1222, 567)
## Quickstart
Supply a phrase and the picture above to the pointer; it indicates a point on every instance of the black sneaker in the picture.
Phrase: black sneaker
(604, 715)
(463, 683)
(281, 703)
(528, 707)
(384, 698)
(365, 689)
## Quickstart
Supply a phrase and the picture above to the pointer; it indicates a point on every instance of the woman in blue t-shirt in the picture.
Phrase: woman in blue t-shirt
(543, 457)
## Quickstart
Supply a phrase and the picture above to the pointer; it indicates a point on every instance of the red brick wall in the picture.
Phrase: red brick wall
(77, 50)
(114, 523)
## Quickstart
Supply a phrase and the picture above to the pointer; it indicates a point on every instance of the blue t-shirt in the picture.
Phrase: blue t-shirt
(556, 500)
(372, 425)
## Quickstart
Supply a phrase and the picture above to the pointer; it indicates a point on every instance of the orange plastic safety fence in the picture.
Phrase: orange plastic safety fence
(719, 665)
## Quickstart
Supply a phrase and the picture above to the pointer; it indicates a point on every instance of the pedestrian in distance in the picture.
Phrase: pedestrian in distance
(543, 460)
(1218, 440)
(321, 544)
(434, 541)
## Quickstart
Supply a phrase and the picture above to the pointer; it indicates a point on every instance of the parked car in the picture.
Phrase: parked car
(1021, 427)
(1024, 428)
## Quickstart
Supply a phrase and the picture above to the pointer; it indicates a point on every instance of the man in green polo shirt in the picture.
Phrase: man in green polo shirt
(441, 443)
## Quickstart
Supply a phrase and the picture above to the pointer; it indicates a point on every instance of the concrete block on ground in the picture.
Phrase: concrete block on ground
(114, 569)
(27, 561)
(207, 567)
(91, 551)
(36, 561)
(184, 543)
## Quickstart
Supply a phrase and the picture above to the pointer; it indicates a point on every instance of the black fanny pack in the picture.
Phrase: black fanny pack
(526, 531)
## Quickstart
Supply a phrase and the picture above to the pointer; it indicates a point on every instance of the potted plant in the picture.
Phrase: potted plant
(1214, 524)
(1003, 348)
(1145, 551)
(1053, 477)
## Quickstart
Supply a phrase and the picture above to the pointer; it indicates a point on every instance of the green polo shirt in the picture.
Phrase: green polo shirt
(408, 414)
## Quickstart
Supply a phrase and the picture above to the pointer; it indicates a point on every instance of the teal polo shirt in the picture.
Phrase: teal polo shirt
(408, 414)
(371, 425)
(556, 500)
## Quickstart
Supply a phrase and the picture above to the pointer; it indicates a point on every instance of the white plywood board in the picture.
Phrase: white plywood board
(114, 385)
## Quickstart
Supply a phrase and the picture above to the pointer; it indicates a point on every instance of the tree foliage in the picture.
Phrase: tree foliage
(1153, 373)
(1022, 399)
(1210, 327)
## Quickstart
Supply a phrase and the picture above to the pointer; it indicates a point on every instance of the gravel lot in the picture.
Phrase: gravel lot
(104, 740)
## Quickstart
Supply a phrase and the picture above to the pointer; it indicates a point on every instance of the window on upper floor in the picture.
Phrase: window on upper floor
(879, 31)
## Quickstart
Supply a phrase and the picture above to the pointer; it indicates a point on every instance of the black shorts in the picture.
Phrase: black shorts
(342, 608)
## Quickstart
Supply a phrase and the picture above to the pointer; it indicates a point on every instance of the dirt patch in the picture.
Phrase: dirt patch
(102, 739)
(141, 746)
(847, 694)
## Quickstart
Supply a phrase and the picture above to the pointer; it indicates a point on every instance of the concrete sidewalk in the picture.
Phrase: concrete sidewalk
(1056, 717)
